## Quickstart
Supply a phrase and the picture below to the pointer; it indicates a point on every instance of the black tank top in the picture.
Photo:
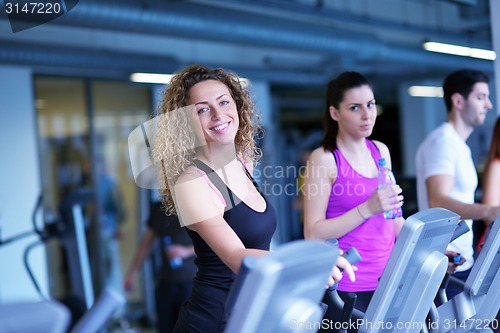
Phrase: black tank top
(205, 310)
(255, 229)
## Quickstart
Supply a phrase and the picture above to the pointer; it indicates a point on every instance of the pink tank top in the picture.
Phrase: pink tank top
(374, 239)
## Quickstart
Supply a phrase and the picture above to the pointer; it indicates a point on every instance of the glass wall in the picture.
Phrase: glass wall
(83, 133)
(63, 129)
(117, 109)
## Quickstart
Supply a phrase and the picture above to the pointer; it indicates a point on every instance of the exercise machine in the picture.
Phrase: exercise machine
(51, 316)
(475, 308)
(54, 317)
(411, 279)
(281, 292)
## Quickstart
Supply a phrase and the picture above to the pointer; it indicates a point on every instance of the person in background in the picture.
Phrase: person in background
(446, 175)
(491, 179)
(174, 280)
(112, 217)
(206, 152)
(342, 198)
(491, 183)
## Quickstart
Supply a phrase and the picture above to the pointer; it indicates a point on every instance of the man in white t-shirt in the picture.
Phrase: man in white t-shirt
(446, 174)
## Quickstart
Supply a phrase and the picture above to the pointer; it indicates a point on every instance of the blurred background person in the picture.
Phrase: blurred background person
(491, 180)
(446, 174)
(169, 247)
(174, 278)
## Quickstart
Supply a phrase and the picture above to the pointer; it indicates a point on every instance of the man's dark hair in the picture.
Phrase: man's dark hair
(462, 82)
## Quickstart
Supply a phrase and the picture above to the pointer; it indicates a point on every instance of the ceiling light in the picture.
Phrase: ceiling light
(463, 51)
(151, 78)
(165, 78)
(425, 91)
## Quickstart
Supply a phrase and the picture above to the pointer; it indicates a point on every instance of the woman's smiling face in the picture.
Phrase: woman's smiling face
(216, 111)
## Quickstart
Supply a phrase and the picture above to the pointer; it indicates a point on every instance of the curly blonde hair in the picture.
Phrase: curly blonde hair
(173, 147)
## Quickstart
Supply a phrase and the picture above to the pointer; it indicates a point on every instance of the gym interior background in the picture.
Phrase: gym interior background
(67, 103)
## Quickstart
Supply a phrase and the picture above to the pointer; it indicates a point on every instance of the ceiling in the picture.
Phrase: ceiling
(296, 45)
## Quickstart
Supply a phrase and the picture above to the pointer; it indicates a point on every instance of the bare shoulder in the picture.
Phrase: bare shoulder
(190, 173)
(494, 169)
(322, 164)
(382, 147)
(195, 180)
(196, 198)
(321, 156)
(384, 152)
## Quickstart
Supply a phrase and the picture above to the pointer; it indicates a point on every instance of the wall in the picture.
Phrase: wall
(20, 188)
(418, 117)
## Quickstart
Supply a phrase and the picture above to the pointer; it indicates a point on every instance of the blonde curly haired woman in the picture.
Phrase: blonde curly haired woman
(205, 144)
(206, 152)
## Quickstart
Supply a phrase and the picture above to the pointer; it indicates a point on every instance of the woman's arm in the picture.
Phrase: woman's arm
(320, 175)
(224, 242)
(141, 253)
(200, 209)
(398, 225)
(491, 185)
(491, 188)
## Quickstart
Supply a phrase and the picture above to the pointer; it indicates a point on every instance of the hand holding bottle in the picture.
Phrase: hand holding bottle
(385, 179)
(382, 200)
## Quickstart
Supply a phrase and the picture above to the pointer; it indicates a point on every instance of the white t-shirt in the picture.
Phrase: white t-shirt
(443, 152)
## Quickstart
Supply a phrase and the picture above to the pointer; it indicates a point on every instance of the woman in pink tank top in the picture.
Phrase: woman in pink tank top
(342, 199)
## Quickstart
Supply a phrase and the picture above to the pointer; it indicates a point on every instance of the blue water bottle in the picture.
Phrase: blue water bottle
(174, 262)
(385, 178)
